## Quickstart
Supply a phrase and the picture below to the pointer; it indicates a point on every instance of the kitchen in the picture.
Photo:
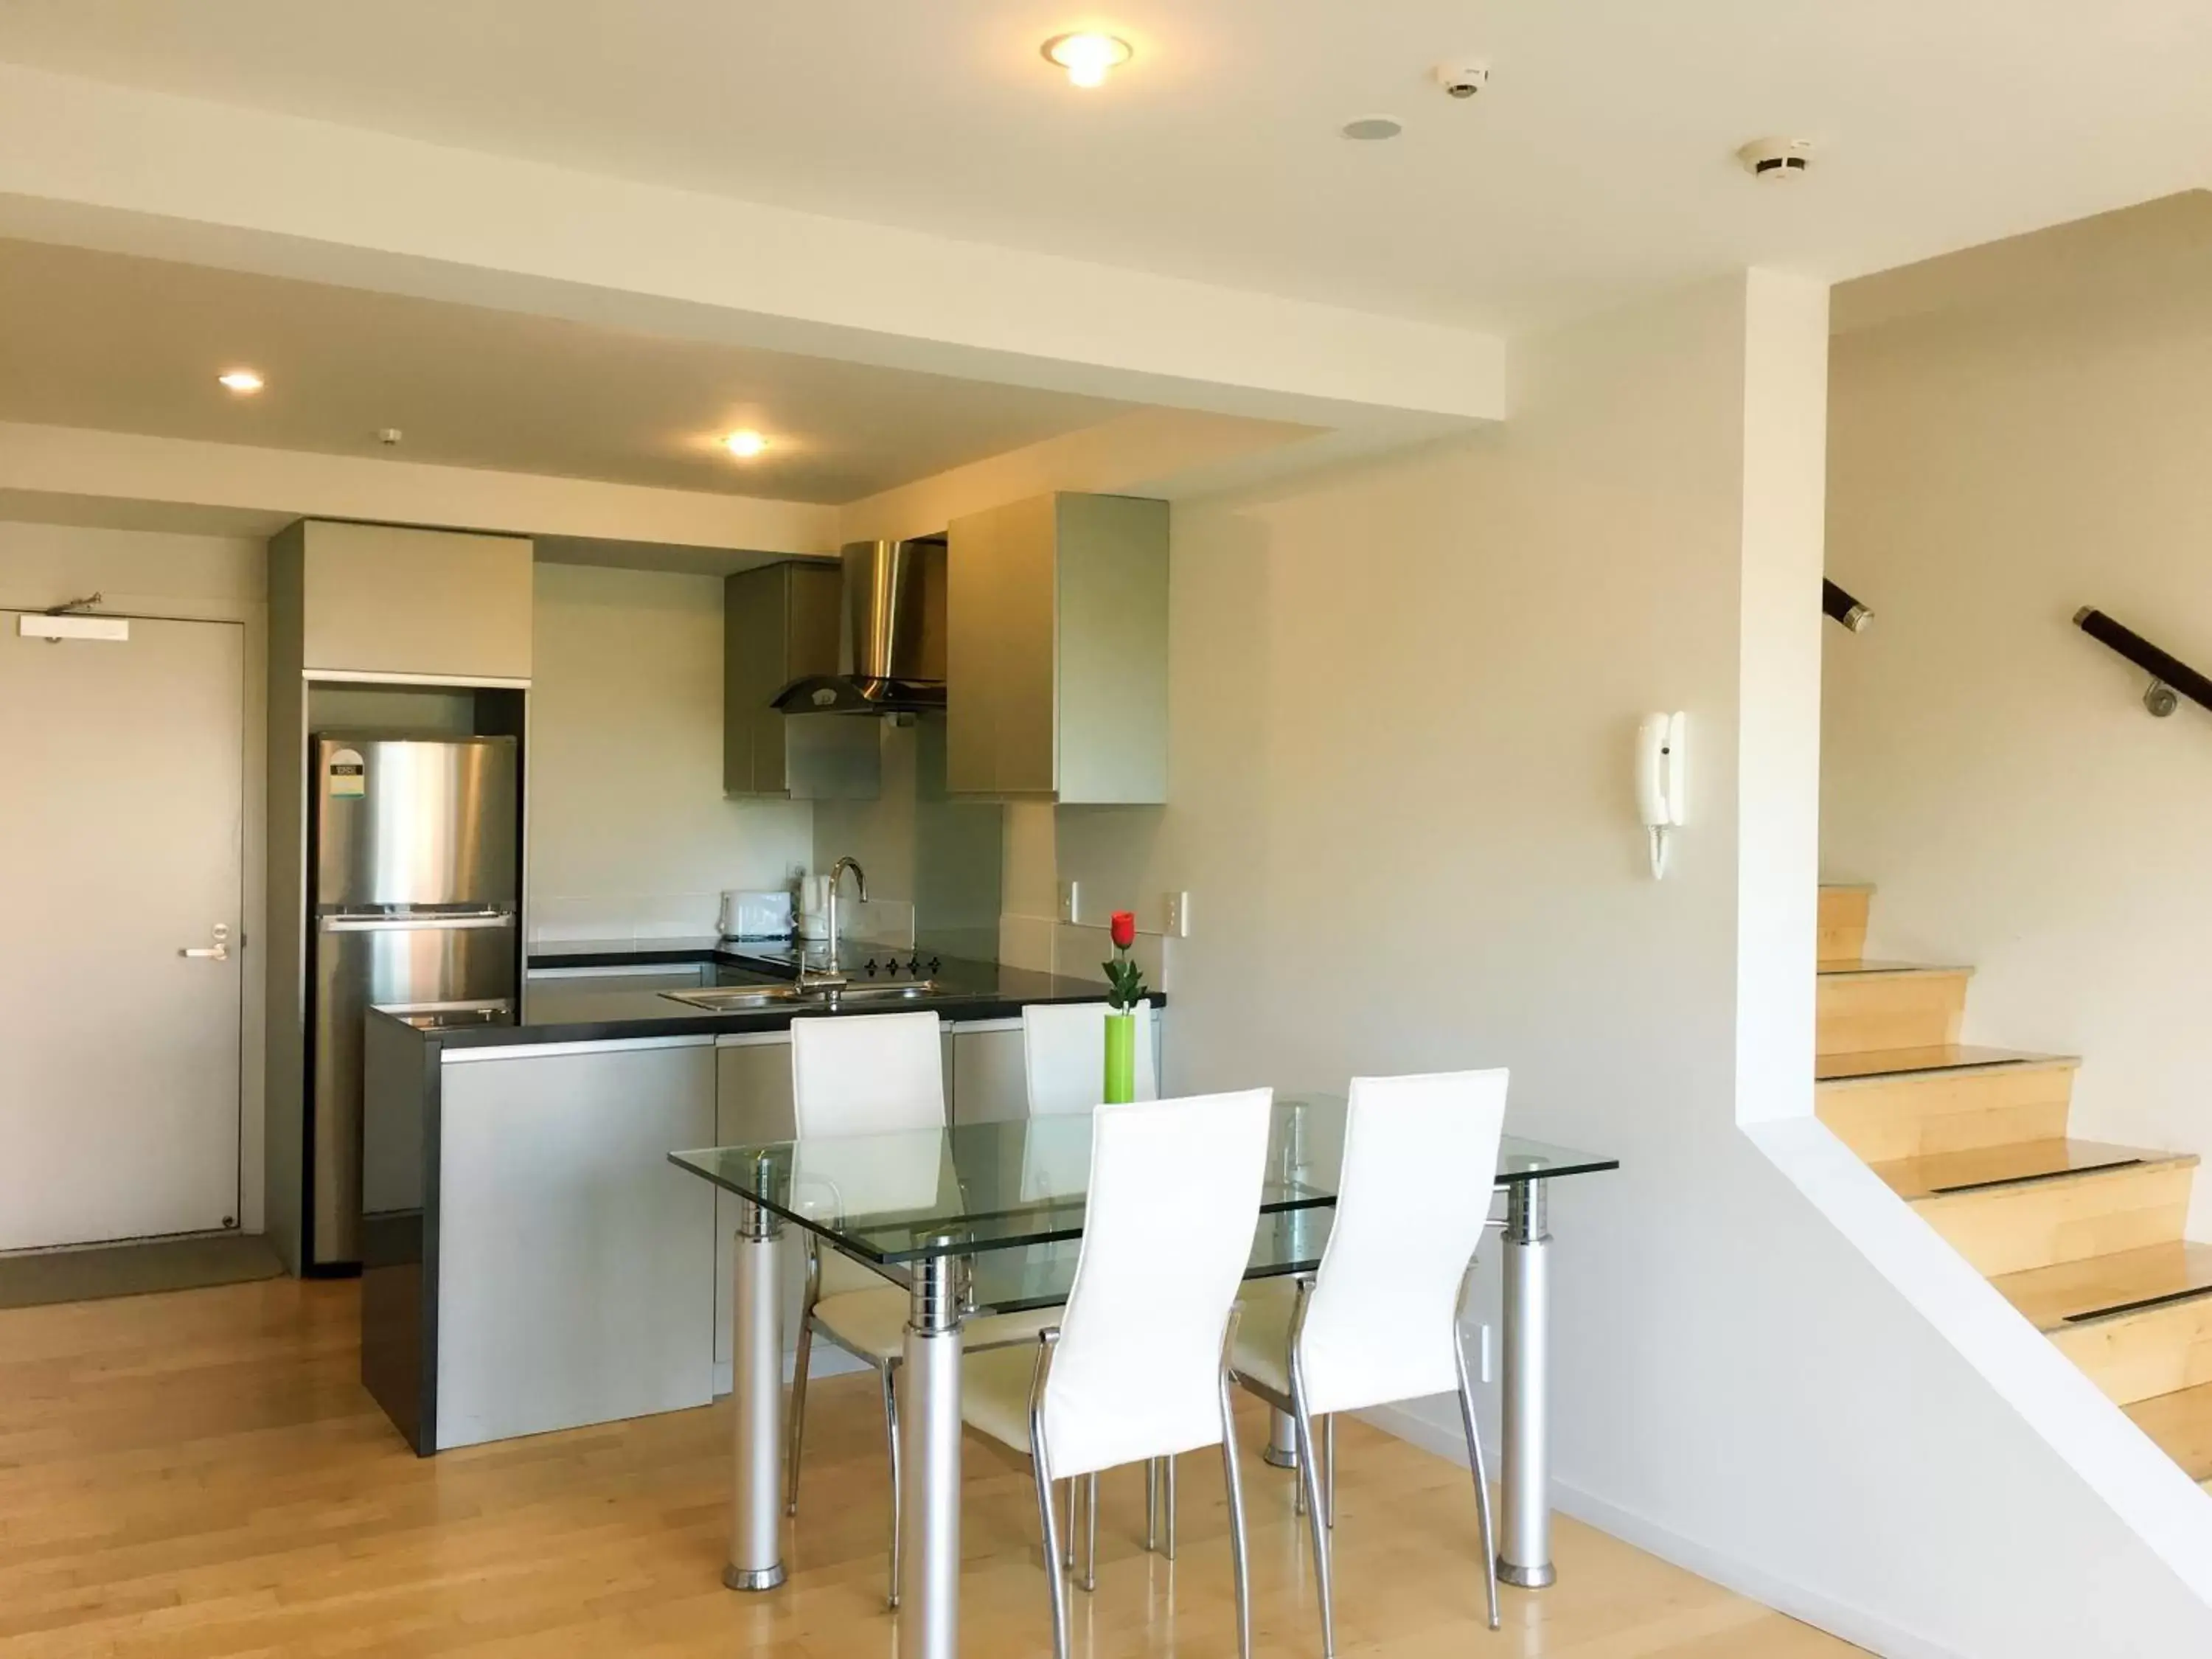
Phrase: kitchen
(635, 1047)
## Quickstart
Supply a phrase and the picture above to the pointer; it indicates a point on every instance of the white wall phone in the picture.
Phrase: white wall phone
(1660, 762)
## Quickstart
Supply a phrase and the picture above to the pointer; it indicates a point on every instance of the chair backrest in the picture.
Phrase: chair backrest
(871, 1074)
(1064, 1055)
(1167, 1233)
(1419, 1155)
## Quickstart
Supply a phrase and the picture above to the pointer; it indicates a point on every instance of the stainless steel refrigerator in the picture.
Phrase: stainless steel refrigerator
(412, 901)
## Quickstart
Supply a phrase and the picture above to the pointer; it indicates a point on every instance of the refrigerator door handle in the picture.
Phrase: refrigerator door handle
(415, 924)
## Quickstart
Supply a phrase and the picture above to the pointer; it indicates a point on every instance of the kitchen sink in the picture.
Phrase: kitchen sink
(736, 998)
(903, 990)
(725, 997)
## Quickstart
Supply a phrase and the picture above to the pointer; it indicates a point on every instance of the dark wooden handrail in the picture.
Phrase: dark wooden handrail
(1843, 607)
(2169, 675)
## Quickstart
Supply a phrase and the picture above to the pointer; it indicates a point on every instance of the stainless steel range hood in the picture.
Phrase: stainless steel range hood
(894, 655)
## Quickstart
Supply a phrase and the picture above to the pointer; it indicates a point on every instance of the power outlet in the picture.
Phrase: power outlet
(1071, 901)
(1178, 915)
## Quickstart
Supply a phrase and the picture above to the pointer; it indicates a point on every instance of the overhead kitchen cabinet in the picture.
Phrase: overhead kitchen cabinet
(780, 622)
(1056, 658)
(373, 600)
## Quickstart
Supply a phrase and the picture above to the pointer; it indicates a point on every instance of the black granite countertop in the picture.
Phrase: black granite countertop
(582, 1010)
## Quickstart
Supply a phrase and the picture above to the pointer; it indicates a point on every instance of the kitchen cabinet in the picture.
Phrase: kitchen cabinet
(1056, 651)
(779, 621)
(990, 1079)
(564, 1236)
(375, 600)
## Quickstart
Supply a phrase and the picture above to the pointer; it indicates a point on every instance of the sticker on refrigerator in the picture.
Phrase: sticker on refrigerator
(349, 775)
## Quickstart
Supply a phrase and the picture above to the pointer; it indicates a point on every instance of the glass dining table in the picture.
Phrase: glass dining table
(987, 1218)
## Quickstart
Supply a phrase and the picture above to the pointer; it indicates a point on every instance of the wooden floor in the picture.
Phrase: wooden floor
(199, 1474)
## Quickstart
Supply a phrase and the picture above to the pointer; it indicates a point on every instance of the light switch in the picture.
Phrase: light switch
(1178, 915)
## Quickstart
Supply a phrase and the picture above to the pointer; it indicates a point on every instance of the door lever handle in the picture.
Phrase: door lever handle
(218, 952)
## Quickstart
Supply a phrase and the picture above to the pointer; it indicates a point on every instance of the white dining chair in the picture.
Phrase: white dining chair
(1379, 1321)
(1137, 1367)
(866, 1075)
(1064, 1055)
(1063, 1065)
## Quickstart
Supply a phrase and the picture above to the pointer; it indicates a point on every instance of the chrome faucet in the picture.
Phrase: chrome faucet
(859, 892)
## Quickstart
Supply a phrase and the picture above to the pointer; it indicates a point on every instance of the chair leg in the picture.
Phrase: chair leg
(1232, 1477)
(1151, 1505)
(1171, 1483)
(1049, 1515)
(1074, 1531)
(891, 1438)
(1328, 1461)
(1309, 1477)
(797, 1432)
(1048, 1511)
(1090, 1537)
(1481, 1477)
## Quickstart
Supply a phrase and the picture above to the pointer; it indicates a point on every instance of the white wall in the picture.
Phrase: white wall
(205, 578)
(630, 835)
(1989, 767)
(1403, 698)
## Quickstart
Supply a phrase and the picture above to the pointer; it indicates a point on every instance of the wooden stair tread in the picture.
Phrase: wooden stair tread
(2066, 1295)
(1843, 1068)
(2181, 1425)
(2025, 1162)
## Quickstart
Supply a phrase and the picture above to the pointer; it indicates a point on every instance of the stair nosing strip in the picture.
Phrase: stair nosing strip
(2167, 1299)
(2042, 1175)
(1886, 970)
(2010, 1063)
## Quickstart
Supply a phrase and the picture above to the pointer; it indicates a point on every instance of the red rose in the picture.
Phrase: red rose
(1123, 926)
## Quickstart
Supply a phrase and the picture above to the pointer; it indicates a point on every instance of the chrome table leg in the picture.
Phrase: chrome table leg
(929, 1464)
(1524, 1555)
(1282, 1448)
(757, 1507)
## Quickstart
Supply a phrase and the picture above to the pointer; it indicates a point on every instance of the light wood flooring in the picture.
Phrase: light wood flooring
(199, 1473)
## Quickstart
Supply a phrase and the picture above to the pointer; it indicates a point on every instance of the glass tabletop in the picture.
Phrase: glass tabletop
(1020, 1279)
(982, 1189)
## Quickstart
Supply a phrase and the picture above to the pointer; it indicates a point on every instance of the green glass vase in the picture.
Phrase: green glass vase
(1121, 1059)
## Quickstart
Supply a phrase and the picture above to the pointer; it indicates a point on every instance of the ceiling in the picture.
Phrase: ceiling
(1599, 162)
(121, 343)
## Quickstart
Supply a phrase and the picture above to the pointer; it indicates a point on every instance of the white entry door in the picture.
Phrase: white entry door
(121, 823)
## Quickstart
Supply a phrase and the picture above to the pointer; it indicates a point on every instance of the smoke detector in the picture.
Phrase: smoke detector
(1464, 77)
(389, 437)
(1777, 158)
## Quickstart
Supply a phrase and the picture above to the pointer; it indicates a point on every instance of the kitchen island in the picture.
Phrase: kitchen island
(530, 1262)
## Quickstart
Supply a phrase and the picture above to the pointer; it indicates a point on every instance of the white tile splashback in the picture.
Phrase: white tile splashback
(624, 918)
(1077, 951)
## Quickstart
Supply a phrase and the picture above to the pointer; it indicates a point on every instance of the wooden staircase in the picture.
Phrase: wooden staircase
(2082, 1237)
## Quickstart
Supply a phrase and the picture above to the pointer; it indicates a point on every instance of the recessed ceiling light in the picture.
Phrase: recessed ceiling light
(745, 445)
(1369, 128)
(1086, 58)
(244, 381)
